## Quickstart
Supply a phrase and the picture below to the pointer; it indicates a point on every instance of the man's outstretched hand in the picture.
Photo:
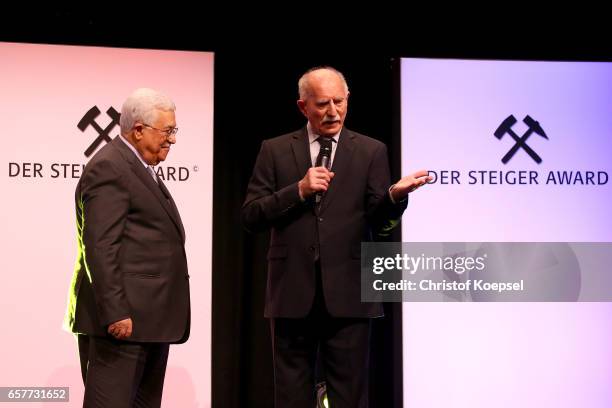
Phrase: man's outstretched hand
(408, 184)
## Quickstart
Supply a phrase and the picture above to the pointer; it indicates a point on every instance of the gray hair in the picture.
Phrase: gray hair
(141, 106)
(304, 85)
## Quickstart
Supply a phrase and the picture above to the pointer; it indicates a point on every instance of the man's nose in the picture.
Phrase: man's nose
(331, 109)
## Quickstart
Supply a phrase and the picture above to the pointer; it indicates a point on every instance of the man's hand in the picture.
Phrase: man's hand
(121, 329)
(316, 179)
(408, 184)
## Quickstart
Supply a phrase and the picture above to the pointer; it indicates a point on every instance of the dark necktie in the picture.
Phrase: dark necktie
(325, 150)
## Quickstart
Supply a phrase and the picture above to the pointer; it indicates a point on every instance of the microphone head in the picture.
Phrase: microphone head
(325, 152)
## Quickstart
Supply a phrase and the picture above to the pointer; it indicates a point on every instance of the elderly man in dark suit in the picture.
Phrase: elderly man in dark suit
(320, 207)
(130, 290)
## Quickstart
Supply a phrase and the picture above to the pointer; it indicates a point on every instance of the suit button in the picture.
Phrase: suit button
(320, 219)
(311, 248)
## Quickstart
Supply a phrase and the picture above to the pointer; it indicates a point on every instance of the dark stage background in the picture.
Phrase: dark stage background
(257, 66)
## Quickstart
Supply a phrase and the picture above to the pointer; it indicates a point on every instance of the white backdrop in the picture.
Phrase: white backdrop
(530, 355)
(46, 91)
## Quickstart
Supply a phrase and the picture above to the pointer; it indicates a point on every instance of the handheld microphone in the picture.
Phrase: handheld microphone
(325, 155)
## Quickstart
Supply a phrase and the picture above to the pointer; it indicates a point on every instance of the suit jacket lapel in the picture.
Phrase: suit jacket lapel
(170, 200)
(148, 181)
(301, 151)
(340, 166)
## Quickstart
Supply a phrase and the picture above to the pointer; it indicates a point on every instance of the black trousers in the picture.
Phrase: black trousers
(342, 345)
(120, 374)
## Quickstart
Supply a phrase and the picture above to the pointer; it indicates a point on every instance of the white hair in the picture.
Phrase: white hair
(141, 106)
(304, 85)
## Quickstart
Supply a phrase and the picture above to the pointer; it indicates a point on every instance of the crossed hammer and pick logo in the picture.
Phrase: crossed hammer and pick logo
(89, 119)
(520, 142)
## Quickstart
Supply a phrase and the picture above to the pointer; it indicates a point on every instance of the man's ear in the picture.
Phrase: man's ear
(137, 132)
(302, 106)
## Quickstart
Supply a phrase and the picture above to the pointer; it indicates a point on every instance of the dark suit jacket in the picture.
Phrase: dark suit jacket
(356, 208)
(131, 260)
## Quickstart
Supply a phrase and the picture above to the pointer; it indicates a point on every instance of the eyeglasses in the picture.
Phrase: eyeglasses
(168, 132)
